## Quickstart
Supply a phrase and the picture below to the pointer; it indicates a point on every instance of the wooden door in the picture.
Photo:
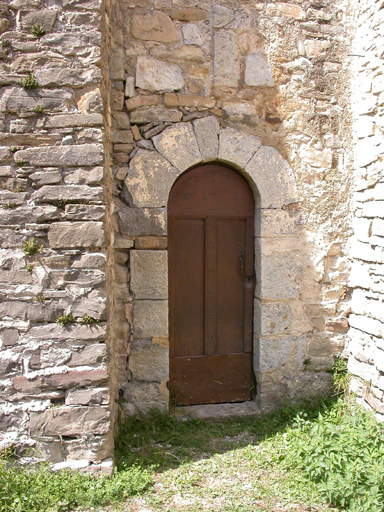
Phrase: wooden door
(210, 230)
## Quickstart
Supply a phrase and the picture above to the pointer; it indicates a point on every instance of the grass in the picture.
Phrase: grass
(41, 490)
(65, 319)
(31, 246)
(313, 457)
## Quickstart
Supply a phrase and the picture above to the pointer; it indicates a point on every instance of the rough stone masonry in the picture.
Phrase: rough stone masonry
(103, 105)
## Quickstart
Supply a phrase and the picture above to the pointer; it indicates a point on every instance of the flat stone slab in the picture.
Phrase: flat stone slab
(218, 411)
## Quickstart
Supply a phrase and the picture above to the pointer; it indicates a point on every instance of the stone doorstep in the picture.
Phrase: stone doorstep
(217, 411)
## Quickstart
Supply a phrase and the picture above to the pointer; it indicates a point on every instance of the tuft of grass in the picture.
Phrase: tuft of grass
(41, 490)
(9, 206)
(39, 298)
(31, 246)
(21, 163)
(87, 320)
(29, 82)
(6, 43)
(38, 109)
(29, 267)
(37, 31)
(340, 375)
(65, 319)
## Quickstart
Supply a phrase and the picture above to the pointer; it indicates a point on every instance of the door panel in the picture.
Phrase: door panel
(188, 289)
(230, 286)
(210, 219)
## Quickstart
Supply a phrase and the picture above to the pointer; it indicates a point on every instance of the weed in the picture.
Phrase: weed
(21, 163)
(29, 82)
(38, 109)
(14, 149)
(9, 206)
(340, 375)
(59, 203)
(342, 451)
(307, 363)
(65, 319)
(87, 320)
(29, 267)
(6, 43)
(8, 452)
(41, 490)
(39, 298)
(31, 246)
(37, 31)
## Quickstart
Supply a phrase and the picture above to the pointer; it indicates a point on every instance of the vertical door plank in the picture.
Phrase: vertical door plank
(230, 292)
(187, 287)
(210, 285)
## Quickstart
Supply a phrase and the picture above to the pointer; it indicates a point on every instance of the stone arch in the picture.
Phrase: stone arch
(149, 182)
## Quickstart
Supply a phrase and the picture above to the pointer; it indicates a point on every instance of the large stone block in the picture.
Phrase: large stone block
(150, 318)
(150, 178)
(93, 396)
(76, 234)
(207, 132)
(179, 145)
(278, 276)
(67, 156)
(272, 353)
(16, 99)
(89, 355)
(57, 332)
(69, 120)
(257, 71)
(29, 214)
(49, 193)
(285, 9)
(45, 18)
(226, 65)
(149, 361)
(144, 396)
(192, 34)
(149, 274)
(142, 221)
(272, 319)
(72, 77)
(70, 421)
(155, 27)
(273, 177)
(236, 147)
(155, 75)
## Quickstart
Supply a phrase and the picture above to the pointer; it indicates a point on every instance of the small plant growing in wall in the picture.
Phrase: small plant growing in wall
(6, 43)
(37, 31)
(9, 206)
(65, 319)
(307, 364)
(39, 298)
(29, 82)
(87, 320)
(29, 267)
(38, 109)
(31, 246)
(340, 375)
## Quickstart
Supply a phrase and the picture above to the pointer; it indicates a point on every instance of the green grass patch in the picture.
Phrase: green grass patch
(40, 490)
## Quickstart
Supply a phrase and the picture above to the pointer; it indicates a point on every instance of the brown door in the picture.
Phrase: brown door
(210, 216)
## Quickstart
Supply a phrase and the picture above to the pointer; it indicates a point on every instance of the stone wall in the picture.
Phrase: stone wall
(261, 87)
(366, 347)
(54, 380)
(128, 95)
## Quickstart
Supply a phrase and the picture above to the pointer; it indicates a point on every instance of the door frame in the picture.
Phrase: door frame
(278, 307)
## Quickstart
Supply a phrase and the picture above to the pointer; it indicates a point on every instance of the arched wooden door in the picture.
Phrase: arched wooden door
(211, 283)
